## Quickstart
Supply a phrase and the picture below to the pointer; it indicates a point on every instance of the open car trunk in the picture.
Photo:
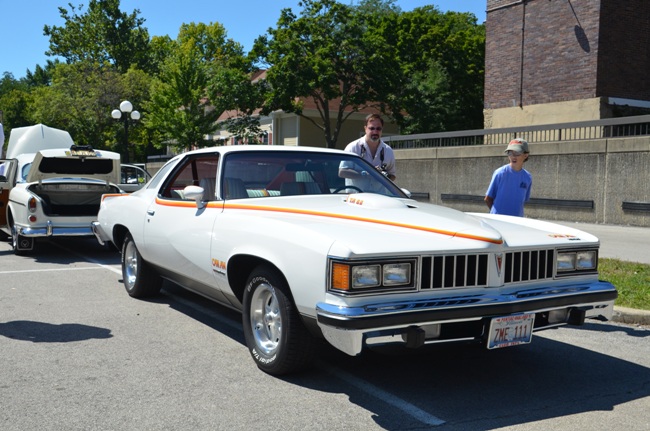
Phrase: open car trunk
(71, 199)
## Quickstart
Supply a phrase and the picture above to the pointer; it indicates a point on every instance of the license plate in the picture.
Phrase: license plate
(506, 331)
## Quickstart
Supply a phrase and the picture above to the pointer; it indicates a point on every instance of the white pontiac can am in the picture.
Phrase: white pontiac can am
(278, 234)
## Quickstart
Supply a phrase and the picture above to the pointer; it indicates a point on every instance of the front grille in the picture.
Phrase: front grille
(529, 265)
(463, 270)
(471, 270)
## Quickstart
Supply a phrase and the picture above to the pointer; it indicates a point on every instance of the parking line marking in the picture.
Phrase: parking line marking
(87, 259)
(408, 408)
(386, 397)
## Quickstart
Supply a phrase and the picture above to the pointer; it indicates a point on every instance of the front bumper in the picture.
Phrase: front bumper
(415, 323)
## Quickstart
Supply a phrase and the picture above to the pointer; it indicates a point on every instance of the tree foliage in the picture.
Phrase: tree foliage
(423, 69)
(441, 59)
(103, 34)
(325, 59)
(180, 110)
(79, 100)
(41, 75)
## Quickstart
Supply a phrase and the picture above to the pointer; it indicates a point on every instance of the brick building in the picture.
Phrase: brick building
(553, 61)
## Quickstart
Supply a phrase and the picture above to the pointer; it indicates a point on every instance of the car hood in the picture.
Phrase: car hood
(368, 222)
(67, 163)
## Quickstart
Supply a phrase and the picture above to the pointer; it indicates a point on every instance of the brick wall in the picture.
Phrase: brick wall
(624, 57)
(559, 51)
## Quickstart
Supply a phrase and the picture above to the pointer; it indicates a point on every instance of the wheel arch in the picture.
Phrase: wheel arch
(119, 233)
(240, 267)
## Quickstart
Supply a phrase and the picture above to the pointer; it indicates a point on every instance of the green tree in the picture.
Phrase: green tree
(15, 104)
(180, 112)
(41, 75)
(328, 57)
(159, 49)
(441, 59)
(79, 100)
(8, 83)
(102, 35)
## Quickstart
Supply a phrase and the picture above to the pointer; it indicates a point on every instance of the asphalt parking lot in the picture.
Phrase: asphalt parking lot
(79, 354)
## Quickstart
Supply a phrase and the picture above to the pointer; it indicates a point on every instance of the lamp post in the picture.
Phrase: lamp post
(126, 108)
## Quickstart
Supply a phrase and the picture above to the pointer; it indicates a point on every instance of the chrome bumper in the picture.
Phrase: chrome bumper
(51, 230)
(350, 328)
(99, 233)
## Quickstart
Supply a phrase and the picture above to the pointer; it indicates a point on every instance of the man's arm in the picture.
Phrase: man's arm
(351, 173)
(489, 201)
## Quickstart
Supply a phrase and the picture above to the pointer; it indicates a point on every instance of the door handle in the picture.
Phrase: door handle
(151, 212)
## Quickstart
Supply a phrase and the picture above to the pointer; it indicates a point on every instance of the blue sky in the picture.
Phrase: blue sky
(23, 45)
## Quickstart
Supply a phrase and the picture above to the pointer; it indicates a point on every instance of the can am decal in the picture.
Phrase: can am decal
(565, 236)
(219, 266)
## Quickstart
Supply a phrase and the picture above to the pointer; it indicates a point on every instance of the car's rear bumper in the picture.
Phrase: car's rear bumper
(52, 230)
(430, 320)
(99, 233)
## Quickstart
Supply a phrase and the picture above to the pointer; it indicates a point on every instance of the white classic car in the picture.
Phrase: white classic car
(278, 234)
(54, 192)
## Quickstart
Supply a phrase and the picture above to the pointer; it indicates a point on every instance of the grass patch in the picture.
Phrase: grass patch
(632, 280)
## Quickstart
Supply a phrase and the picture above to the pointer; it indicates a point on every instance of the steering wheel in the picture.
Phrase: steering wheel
(340, 189)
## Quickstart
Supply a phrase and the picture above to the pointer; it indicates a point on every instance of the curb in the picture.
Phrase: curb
(631, 316)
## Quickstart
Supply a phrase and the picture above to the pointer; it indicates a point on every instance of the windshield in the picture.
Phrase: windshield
(24, 171)
(282, 173)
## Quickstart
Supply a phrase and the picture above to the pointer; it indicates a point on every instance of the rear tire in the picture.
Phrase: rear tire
(139, 278)
(275, 335)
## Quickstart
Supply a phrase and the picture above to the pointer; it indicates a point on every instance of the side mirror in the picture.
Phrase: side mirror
(196, 193)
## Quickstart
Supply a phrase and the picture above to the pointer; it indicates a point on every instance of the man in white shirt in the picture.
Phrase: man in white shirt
(371, 148)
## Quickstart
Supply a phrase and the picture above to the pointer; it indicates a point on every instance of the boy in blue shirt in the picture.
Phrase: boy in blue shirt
(511, 183)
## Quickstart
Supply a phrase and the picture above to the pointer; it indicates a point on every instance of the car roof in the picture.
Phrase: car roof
(241, 148)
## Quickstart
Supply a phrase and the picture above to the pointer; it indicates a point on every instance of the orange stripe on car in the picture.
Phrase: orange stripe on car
(330, 215)
(113, 195)
(363, 219)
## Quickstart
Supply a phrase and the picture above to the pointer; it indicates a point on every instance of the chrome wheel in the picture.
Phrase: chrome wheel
(139, 278)
(266, 319)
(276, 337)
(130, 265)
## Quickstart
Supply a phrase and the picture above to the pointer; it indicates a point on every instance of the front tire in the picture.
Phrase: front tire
(140, 279)
(275, 335)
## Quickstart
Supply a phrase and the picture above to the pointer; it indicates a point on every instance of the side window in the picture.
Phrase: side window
(199, 170)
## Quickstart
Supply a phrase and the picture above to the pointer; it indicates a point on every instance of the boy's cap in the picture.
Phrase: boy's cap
(519, 145)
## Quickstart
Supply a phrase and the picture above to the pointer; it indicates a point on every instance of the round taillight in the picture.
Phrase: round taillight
(32, 219)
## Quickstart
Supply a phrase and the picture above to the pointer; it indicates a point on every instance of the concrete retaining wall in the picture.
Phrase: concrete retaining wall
(607, 172)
